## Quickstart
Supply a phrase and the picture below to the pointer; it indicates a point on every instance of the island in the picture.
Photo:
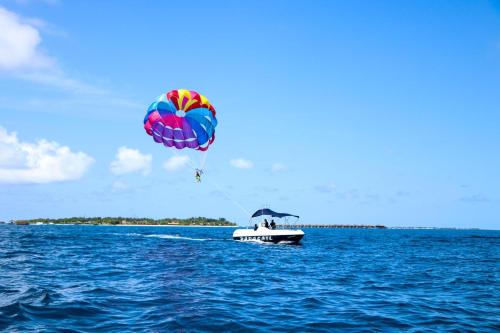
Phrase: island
(192, 221)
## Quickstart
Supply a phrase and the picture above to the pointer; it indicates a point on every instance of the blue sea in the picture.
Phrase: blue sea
(168, 279)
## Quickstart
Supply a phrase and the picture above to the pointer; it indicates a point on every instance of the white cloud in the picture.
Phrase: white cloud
(175, 163)
(60, 106)
(119, 186)
(475, 198)
(241, 163)
(22, 57)
(57, 79)
(278, 167)
(20, 44)
(326, 188)
(46, 2)
(129, 160)
(40, 162)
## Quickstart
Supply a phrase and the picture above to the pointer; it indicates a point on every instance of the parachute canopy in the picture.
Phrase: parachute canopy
(181, 119)
(268, 212)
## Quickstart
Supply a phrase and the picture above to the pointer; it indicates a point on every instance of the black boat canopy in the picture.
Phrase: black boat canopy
(267, 211)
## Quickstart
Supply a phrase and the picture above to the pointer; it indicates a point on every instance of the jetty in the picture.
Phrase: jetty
(336, 226)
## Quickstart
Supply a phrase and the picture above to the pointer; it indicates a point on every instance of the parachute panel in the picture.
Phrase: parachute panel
(181, 119)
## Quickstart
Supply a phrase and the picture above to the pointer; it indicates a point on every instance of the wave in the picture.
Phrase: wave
(167, 280)
(484, 237)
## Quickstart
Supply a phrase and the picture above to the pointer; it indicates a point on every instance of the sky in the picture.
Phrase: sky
(345, 112)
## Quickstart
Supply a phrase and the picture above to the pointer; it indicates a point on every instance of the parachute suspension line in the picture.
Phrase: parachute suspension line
(225, 193)
(174, 105)
(228, 196)
(203, 158)
(189, 162)
(176, 153)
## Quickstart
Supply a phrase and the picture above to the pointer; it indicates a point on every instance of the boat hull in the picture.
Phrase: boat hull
(263, 234)
(271, 239)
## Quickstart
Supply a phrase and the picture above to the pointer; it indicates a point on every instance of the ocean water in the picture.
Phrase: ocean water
(164, 279)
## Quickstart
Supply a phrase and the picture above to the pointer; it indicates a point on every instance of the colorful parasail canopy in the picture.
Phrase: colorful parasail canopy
(181, 119)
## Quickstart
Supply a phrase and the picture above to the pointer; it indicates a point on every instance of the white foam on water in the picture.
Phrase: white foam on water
(176, 237)
(261, 242)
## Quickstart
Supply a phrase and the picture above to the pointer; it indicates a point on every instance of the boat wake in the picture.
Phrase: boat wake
(166, 236)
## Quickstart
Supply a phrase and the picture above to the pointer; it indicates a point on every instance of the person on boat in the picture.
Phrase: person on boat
(197, 175)
(255, 227)
(266, 224)
(273, 225)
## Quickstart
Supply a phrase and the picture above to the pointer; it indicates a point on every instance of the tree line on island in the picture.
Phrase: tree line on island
(201, 221)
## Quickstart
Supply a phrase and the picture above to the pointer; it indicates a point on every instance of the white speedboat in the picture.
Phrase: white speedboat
(265, 231)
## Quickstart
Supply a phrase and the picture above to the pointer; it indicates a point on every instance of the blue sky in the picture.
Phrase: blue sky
(354, 112)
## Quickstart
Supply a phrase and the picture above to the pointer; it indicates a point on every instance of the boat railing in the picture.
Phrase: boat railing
(283, 223)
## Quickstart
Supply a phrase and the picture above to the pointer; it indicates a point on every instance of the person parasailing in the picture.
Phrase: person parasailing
(197, 175)
(182, 119)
